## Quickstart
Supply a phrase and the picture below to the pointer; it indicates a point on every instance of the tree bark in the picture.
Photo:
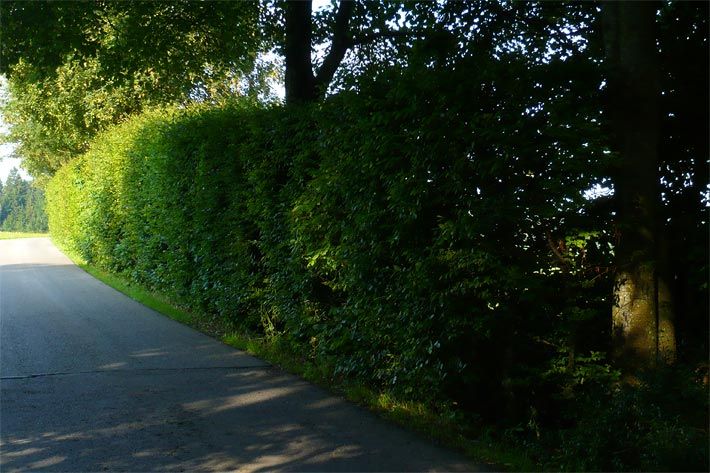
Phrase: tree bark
(642, 316)
(299, 82)
(302, 84)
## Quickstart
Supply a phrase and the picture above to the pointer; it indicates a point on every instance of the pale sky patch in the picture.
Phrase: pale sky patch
(8, 160)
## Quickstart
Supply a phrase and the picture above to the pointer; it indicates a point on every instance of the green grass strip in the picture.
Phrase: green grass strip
(14, 235)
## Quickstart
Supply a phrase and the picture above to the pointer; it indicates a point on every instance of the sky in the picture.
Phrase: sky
(7, 161)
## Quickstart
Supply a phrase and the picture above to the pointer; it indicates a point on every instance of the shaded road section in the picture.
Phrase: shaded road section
(94, 381)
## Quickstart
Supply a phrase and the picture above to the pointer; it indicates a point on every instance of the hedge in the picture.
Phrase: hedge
(389, 235)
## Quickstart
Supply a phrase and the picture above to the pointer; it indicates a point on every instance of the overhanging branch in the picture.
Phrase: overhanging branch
(343, 40)
(340, 45)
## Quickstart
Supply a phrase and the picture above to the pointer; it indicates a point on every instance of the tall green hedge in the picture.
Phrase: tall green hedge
(395, 235)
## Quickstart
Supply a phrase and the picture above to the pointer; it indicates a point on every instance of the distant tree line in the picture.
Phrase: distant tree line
(21, 205)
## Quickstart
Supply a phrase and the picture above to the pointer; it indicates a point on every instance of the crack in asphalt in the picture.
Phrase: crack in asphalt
(134, 370)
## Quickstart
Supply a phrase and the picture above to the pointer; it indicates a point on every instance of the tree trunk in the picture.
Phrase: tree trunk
(642, 315)
(300, 82)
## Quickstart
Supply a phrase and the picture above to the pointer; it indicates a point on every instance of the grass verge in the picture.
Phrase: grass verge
(443, 428)
(13, 235)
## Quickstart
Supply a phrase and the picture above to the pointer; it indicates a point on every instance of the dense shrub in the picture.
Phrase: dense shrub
(659, 425)
(398, 237)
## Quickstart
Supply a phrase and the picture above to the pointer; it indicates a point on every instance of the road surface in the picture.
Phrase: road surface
(94, 381)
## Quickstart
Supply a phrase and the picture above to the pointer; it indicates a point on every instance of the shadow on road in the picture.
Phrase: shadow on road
(255, 420)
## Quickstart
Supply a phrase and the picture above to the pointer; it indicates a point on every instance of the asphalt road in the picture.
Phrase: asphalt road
(91, 380)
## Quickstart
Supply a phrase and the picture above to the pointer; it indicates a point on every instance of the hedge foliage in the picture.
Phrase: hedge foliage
(402, 238)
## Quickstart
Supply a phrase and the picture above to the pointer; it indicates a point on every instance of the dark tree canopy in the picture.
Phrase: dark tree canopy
(177, 38)
(77, 67)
